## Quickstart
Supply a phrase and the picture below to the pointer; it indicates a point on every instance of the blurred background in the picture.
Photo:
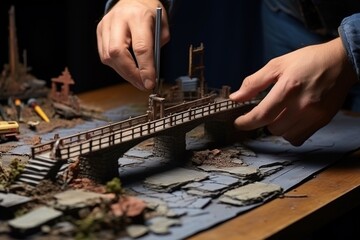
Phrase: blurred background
(62, 33)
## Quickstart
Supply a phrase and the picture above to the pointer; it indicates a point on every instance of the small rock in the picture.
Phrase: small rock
(136, 231)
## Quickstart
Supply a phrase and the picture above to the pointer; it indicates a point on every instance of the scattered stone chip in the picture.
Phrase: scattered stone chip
(251, 193)
(135, 231)
(175, 178)
(35, 218)
(241, 171)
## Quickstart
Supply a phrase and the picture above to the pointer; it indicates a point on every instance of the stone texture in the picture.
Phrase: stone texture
(175, 178)
(250, 193)
(35, 218)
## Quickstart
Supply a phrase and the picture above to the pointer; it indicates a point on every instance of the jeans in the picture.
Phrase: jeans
(283, 33)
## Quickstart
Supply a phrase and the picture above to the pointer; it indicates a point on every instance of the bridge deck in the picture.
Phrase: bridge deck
(117, 133)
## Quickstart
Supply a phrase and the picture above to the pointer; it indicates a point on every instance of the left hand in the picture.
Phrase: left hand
(129, 28)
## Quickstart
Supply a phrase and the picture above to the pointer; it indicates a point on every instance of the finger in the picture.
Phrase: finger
(286, 119)
(143, 47)
(255, 83)
(266, 111)
(113, 42)
(300, 132)
(121, 58)
(306, 127)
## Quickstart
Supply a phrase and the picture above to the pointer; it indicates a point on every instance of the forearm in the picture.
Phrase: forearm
(349, 32)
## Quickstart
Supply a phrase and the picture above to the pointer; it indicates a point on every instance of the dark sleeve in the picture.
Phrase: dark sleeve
(349, 32)
(109, 4)
(166, 3)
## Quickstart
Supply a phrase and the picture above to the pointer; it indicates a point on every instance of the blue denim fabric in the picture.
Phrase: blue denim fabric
(349, 31)
(289, 7)
(283, 33)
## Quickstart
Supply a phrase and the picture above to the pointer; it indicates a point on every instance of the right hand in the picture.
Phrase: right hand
(129, 27)
(309, 87)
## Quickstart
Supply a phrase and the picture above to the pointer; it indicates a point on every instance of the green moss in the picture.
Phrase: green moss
(114, 186)
(11, 173)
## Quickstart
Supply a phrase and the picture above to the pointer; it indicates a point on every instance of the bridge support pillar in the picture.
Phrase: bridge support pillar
(220, 132)
(99, 168)
(171, 146)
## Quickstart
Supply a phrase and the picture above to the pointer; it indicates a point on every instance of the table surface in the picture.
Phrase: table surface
(329, 194)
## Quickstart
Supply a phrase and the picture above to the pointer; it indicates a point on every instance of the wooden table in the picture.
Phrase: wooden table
(314, 203)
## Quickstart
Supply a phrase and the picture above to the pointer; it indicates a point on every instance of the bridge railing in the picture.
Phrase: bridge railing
(43, 147)
(186, 105)
(111, 136)
(83, 136)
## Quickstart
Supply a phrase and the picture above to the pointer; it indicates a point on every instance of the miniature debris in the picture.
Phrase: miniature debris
(138, 153)
(35, 218)
(136, 230)
(128, 206)
(160, 225)
(72, 199)
(8, 200)
(241, 171)
(218, 158)
(244, 151)
(251, 193)
(125, 161)
(205, 188)
(173, 179)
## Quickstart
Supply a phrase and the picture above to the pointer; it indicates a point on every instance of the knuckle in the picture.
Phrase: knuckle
(247, 82)
(114, 52)
(140, 48)
(292, 84)
(105, 59)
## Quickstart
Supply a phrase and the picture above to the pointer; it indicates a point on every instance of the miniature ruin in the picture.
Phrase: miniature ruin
(15, 79)
(64, 101)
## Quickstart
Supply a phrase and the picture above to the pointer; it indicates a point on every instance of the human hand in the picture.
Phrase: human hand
(129, 27)
(310, 86)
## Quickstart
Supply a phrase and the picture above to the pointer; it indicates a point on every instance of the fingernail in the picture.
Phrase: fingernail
(148, 84)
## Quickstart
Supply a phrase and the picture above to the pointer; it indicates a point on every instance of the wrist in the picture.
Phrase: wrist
(348, 69)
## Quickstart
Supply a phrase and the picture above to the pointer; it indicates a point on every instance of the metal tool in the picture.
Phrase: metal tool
(157, 48)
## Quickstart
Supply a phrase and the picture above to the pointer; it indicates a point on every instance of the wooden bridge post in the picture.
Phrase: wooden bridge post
(156, 107)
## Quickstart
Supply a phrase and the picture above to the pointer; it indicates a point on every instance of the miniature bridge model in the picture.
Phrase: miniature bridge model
(113, 140)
